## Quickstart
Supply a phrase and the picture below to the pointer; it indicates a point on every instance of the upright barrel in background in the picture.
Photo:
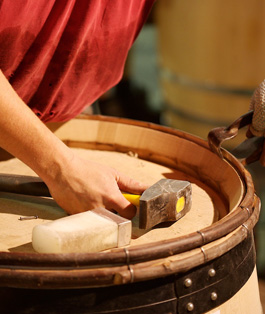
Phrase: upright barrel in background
(212, 57)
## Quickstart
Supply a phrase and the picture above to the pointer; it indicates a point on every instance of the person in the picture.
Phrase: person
(257, 128)
(56, 58)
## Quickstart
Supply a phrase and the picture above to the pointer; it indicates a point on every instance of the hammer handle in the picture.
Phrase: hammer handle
(29, 185)
(20, 184)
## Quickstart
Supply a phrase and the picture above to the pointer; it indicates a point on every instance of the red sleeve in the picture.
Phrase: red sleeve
(62, 55)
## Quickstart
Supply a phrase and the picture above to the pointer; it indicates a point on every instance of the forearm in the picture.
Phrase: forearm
(76, 185)
(26, 137)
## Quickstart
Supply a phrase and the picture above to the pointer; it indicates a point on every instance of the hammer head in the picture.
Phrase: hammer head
(166, 200)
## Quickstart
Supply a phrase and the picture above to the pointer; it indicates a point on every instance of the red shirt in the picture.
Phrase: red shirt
(61, 55)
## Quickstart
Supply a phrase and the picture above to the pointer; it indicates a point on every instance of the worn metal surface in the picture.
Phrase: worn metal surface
(158, 203)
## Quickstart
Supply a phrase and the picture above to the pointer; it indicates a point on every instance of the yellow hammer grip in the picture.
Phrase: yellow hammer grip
(132, 198)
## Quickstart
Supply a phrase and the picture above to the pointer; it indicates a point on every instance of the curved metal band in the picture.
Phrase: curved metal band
(202, 235)
(204, 254)
(246, 227)
(127, 256)
(132, 273)
(127, 261)
(247, 209)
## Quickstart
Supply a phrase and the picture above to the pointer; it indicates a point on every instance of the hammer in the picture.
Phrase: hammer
(166, 200)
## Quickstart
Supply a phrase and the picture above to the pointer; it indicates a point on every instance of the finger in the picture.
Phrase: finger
(128, 212)
(128, 184)
(121, 205)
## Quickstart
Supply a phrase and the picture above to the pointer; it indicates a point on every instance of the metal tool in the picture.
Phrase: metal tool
(166, 200)
(248, 151)
(91, 231)
(248, 147)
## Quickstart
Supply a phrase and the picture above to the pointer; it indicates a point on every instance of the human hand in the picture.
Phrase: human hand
(257, 128)
(257, 104)
(83, 185)
(76, 185)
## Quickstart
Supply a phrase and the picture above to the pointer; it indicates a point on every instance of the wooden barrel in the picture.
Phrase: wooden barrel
(203, 263)
(211, 58)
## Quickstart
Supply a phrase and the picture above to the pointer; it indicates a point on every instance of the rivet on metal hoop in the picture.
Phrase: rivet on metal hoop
(211, 272)
(187, 282)
(190, 307)
(214, 296)
(204, 254)
(202, 235)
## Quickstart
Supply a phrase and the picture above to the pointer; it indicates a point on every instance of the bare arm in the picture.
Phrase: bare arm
(76, 185)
